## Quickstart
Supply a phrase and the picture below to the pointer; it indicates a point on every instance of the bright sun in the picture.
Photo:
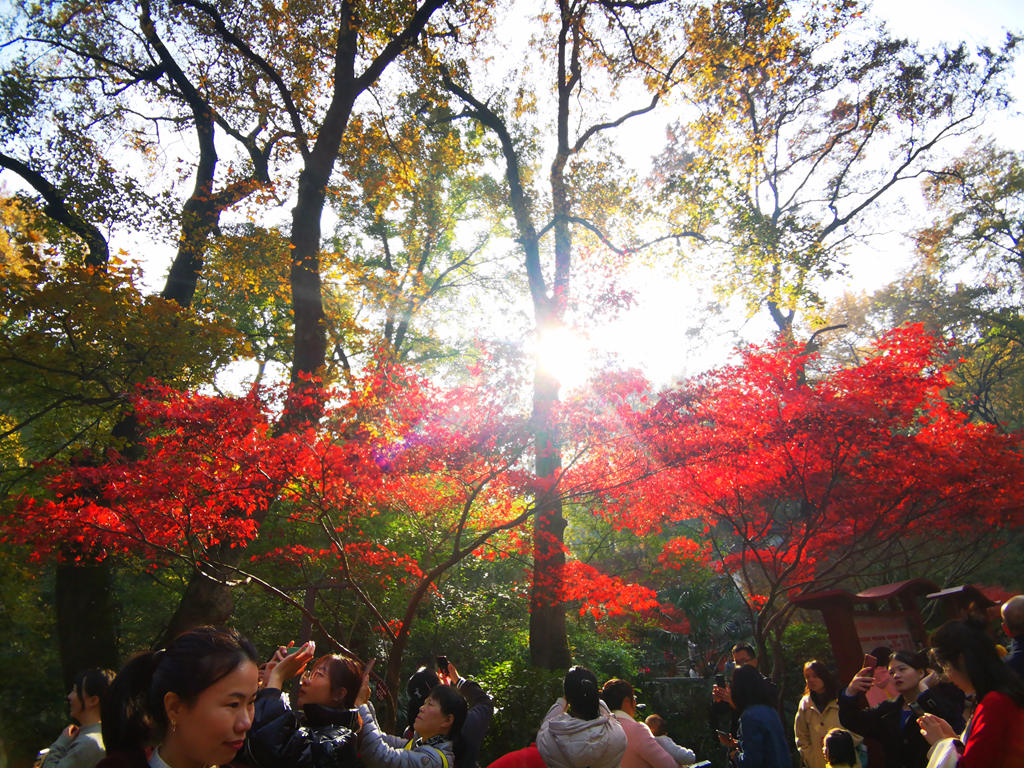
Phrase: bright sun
(565, 355)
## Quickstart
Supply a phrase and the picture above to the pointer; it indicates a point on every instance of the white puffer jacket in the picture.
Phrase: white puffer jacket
(565, 741)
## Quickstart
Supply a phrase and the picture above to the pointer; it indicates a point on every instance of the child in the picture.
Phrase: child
(839, 750)
(681, 755)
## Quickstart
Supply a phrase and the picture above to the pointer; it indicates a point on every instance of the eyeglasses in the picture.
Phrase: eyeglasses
(309, 674)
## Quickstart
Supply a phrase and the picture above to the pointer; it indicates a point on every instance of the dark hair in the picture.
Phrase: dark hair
(745, 647)
(825, 675)
(343, 672)
(882, 654)
(615, 692)
(656, 723)
(451, 703)
(133, 713)
(915, 659)
(748, 688)
(92, 682)
(839, 747)
(419, 686)
(580, 688)
(966, 646)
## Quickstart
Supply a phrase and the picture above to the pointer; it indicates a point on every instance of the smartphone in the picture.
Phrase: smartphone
(720, 681)
(916, 708)
(294, 649)
(869, 661)
(442, 664)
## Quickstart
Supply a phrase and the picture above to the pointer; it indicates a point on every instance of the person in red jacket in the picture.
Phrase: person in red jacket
(994, 736)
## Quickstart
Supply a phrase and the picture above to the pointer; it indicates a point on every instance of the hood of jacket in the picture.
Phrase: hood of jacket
(565, 741)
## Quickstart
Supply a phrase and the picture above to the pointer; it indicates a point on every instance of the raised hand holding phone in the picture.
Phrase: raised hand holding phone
(294, 661)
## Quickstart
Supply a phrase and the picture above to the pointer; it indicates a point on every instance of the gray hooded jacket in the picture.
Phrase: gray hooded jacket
(565, 741)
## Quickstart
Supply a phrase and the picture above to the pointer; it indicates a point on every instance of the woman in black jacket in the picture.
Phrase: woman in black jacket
(321, 731)
(894, 722)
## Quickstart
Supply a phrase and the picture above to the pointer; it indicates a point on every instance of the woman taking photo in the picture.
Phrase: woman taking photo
(817, 713)
(760, 742)
(436, 730)
(894, 723)
(579, 730)
(994, 737)
(186, 706)
(321, 731)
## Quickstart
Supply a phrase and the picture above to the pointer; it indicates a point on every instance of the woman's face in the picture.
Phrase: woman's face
(315, 688)
(905, 678)
(814, 683)
(431, 720)
(75, 704)
(212, 729)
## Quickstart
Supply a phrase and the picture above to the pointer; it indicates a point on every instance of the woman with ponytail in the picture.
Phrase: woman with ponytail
(186, 706)
(580, 730)
(994, 737)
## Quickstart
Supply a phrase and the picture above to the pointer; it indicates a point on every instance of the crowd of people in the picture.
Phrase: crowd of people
(205, 700)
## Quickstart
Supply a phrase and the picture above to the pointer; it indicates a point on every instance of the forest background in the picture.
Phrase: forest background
(390, 393)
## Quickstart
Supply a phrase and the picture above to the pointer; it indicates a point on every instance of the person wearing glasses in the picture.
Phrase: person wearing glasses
(321, 731)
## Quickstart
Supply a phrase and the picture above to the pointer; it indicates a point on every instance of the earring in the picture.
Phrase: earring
(173, 725)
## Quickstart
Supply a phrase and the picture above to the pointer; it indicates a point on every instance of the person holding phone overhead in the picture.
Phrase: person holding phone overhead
(436, 726)
(321, 731)
(894, 723)
(479, 711)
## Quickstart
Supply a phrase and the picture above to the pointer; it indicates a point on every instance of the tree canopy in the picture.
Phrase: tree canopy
(380, 211)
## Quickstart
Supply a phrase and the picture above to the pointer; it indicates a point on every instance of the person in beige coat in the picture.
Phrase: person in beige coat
(817, 713)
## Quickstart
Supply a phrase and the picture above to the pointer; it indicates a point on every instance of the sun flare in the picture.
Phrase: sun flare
(565, 355)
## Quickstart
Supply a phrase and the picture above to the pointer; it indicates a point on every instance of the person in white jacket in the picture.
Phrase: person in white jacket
(579, 730)
(681, 755)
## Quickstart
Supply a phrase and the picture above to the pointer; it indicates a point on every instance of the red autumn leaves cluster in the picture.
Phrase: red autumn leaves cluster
(802, 478)
(798, 477)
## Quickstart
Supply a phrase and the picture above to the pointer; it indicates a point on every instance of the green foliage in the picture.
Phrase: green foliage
(18, 95)
(809, 116)
(75, 341)
(34, 710)
(245, 282)
(522, 696)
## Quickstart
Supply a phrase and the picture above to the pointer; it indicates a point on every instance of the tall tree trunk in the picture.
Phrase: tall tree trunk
(209, 600)
(549, 644)
(86, 618)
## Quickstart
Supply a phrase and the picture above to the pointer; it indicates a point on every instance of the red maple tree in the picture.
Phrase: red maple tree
(398, 482)
(802, 479)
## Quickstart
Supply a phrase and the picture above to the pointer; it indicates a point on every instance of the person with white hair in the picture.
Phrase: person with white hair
(1013, 624)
